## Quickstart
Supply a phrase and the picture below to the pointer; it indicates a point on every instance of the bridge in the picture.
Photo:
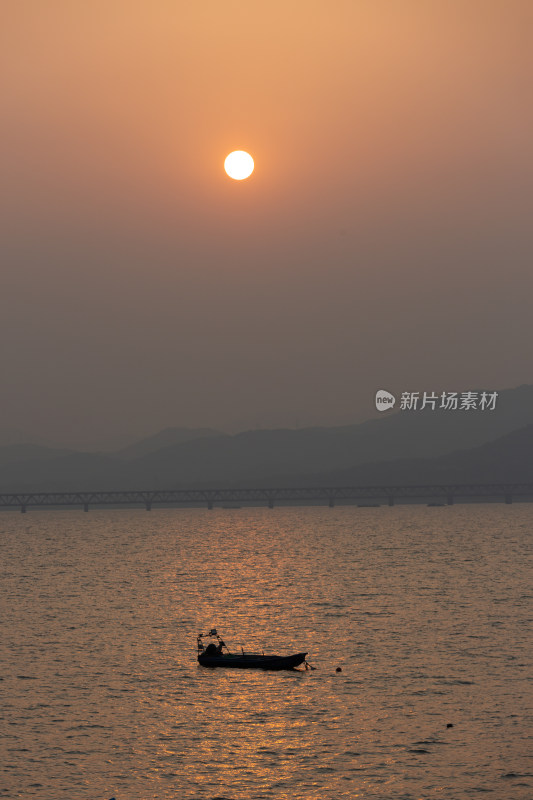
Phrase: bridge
(329, 495)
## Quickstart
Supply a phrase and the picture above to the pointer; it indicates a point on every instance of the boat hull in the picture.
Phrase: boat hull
(252, 661)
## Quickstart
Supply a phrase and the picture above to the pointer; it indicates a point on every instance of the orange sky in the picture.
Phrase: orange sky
(383, 240)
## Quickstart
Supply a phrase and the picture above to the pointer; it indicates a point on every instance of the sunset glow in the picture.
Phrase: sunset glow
(266, 445)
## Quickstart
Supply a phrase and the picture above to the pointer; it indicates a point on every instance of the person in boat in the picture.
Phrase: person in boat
(213, 649)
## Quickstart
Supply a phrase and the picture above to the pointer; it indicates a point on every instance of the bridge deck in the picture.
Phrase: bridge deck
(328, 494)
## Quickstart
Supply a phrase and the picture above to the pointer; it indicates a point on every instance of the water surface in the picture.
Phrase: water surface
(426, 610)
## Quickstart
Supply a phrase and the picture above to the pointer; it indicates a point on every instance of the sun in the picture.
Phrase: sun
(239, 165)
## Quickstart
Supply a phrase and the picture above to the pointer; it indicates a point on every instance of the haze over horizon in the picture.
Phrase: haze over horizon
(384, 240)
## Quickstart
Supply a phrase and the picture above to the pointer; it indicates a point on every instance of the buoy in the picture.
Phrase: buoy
(339, 669)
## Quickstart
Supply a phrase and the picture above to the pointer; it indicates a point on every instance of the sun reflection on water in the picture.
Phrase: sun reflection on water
(428, 624)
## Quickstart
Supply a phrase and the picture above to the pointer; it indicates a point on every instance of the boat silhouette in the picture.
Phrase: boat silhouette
(213, 655)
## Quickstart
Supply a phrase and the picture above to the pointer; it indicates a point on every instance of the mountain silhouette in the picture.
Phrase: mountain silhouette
(508, 459)
(402, 446)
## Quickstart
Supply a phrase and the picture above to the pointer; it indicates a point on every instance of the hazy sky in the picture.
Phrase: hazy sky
(385, 239)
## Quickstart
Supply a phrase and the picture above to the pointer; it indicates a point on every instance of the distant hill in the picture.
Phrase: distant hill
(273, 455)
(162, 439)
(403, 446)
(508, 459)
(71, 472)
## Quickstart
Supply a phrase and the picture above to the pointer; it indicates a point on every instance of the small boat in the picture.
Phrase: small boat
(213, 656)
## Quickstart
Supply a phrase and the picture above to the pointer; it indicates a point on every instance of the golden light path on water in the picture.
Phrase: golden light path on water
(426, 611)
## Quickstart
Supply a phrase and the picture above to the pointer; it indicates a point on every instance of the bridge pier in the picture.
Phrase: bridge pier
(210, 505)
(148, 505)
(450, 500)
(23, 509)
(86, 506)
(391, 500)
(508, 499)
(271, 503)
(331, 502)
